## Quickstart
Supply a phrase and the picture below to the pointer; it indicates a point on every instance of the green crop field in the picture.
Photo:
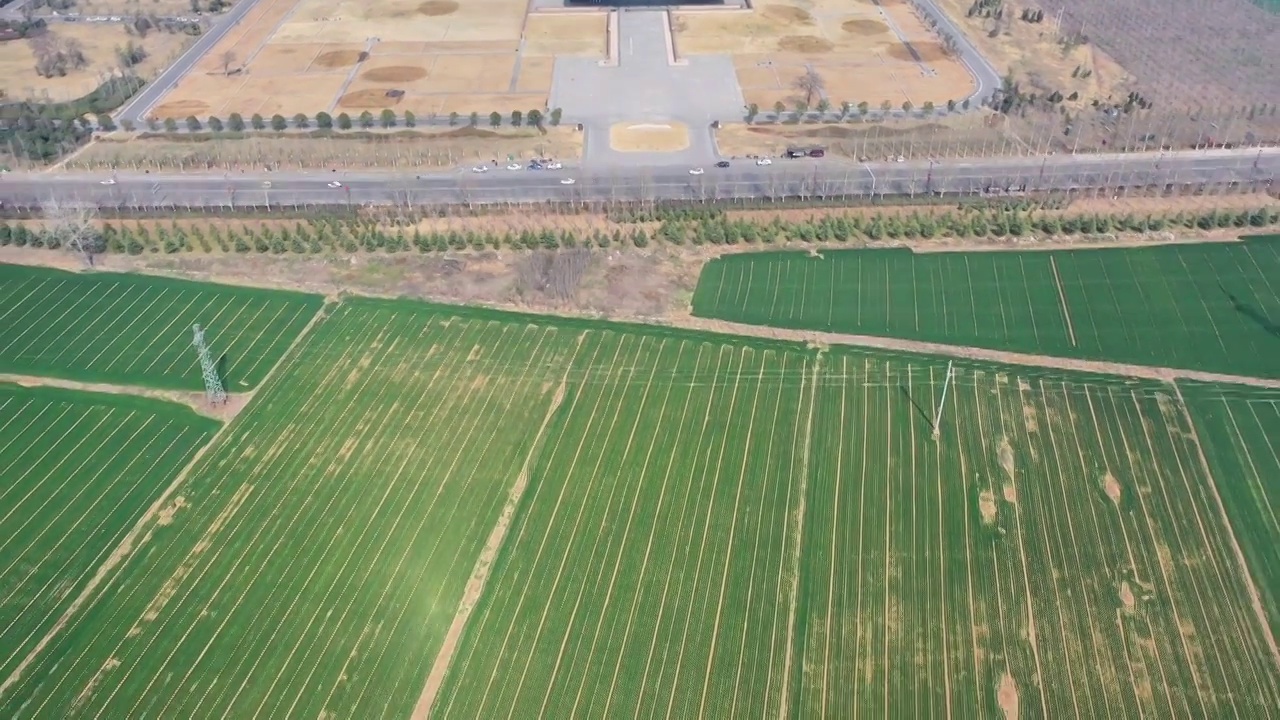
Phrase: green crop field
(692, 525)
(1062, 528)
(1211, 307)
(79, 470)
(1058, 529)
(135, 329)
(1240, 430)
(326, 541)
(653, 571)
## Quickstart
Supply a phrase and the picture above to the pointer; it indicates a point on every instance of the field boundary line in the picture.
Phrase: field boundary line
(1062, 298)
(125, 548)
(1254, 598)
(783, 697)
(484, 564)
(969, 352)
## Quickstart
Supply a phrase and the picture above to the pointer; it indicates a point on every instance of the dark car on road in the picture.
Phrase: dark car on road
(722, 164)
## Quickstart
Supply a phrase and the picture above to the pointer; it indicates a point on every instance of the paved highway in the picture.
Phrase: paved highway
(799, 178)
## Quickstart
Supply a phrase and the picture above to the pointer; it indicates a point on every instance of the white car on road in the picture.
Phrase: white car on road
(480, 169)
(554, 166)
(764, 161)
(567, 181)
(335, 184)
(515, 166)
(108, 181)
(696, 171)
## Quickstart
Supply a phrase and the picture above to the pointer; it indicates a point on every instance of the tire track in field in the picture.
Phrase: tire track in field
(492, 547)
(802, 494)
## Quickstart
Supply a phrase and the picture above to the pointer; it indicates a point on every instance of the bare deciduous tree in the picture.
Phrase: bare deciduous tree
(71, 224)
(810, 83)
(228, 58)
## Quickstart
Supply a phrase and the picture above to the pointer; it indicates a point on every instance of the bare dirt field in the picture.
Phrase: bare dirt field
(19, 80)
(404, 149)
(968, 135)
(431, 57)
(859, 49)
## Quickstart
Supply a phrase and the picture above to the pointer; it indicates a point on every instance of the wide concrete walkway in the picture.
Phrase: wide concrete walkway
(644, 87)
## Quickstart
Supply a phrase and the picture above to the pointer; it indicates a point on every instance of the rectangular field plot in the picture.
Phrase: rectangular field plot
(1210, 307)
(79, 470)
(653, 570)
(325, 543)
(1239, 429)
(134, 329)
(1057, 549)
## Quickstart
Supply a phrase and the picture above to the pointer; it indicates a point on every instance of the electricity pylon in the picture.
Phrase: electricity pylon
(213, 390)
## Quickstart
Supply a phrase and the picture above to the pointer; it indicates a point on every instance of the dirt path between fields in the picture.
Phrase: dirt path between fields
(194, 400)
(144, 523)
(970, 353)
(480, 573)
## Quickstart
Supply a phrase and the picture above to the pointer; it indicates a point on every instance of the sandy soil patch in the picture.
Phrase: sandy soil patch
(1111, 487)
(987, 508)
(1127, 600)
(1007, 696)
(18, 78)
(649, 137)
(405, 20)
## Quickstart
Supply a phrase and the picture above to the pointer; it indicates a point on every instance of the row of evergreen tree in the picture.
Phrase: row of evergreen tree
(326, 235)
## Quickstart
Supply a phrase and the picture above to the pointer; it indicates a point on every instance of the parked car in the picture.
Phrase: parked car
(817, 152)
(764, 161)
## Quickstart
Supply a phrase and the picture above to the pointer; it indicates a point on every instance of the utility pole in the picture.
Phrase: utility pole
(213, 390)
(946, 384)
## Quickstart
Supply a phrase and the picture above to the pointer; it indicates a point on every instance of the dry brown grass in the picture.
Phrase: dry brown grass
(407, 149)
(18, 78)
(163, 8)
(850, 45)
(440, 56)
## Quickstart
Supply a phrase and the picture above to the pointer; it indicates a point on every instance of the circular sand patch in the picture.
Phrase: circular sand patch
(370, 99)
(435, 8)
(787, 13)
(179, 109)
(929, 52)
(804, 44)
(649, 137)
(864, 27)
(395, 73)
(338, 58)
